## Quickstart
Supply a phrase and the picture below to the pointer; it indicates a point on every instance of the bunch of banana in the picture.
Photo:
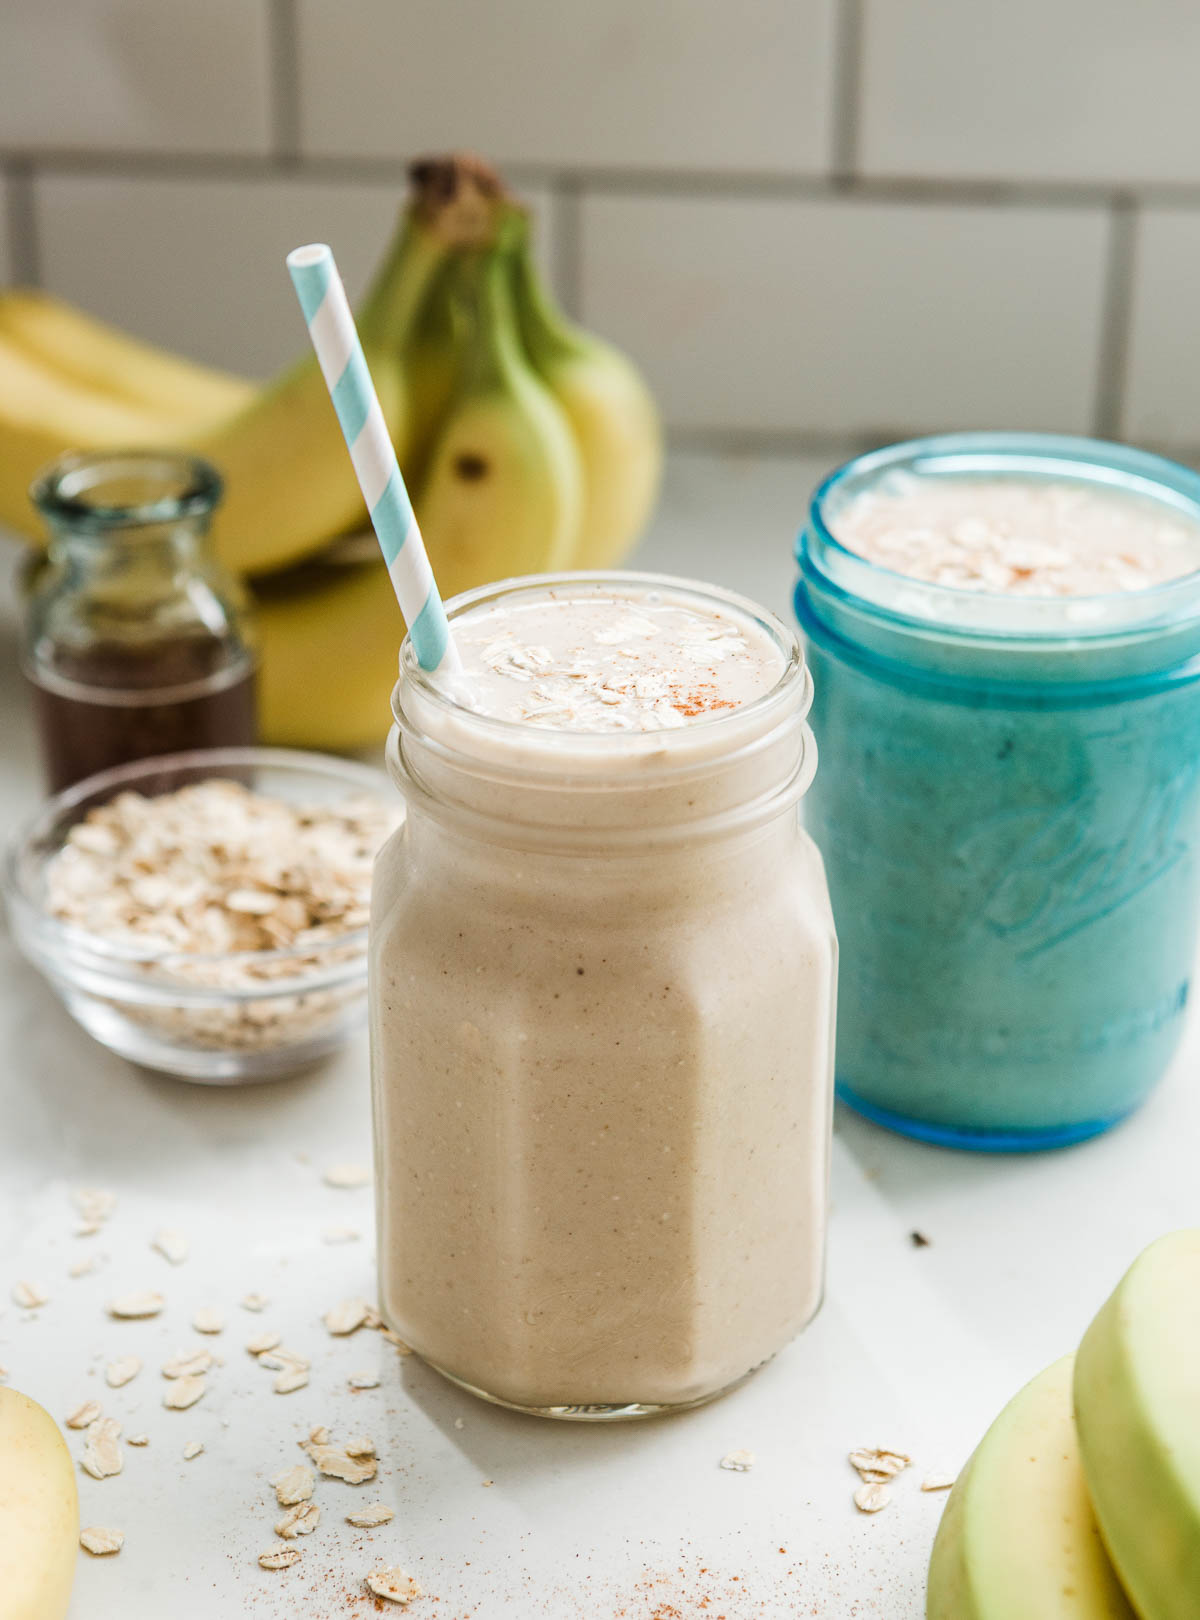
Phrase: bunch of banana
(527, 444)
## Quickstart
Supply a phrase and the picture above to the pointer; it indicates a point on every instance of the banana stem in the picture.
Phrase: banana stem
(398, 291)
(545, 331)
(498, 343)
(458, 203)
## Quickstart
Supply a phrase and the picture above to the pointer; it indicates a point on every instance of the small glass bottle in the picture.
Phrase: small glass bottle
(137, 641)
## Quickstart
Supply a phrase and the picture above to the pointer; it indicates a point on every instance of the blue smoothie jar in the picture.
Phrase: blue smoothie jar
(1008, 808)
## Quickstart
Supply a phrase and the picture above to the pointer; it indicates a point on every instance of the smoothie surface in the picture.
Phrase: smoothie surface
(580, 659)
(1018, 536)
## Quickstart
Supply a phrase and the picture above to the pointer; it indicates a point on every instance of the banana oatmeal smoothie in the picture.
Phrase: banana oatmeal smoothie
(603, 970)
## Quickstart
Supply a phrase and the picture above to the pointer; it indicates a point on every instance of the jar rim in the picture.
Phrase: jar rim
(62, 491)
(598, 747)
(957, 613)
(615, 775)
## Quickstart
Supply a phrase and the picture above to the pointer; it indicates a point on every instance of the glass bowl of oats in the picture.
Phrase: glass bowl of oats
(205, 914)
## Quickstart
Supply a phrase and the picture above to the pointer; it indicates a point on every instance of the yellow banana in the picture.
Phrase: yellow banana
(42, 414)
(1018, 1540)
(187, 396)
(290, 485)
(329, 637)
(39, 1513)
(611, 414)
(503, 492)
(432, 359)
(289, 482)
(1137, 1405)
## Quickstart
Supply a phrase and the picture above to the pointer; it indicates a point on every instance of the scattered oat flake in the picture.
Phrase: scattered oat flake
(290, 1380)
(875, 1465)
(209, 1320)
(102, 1453)
(395, 1584)
(340, 1234)
(119, 1372)
(262, 1342)
(84, 1415)
(359, 1447)
(738, 1462)
(171, 1244)
(185, 1392)
(318, 1436)
(147, 1303)
(138, 1440)
(369, 1518)
(254, 1302)
(300, 1520)
(347, 1175)
(99, 1540)
(293, 1485)
(281, 1357)
(87, 1228)
(337, 1464)
(347, 1316)
(192, 1449)
(870, 1497)
(188, 1364)
(30, 1295)
(95, 1204)
(279, 1557)
(282, 1360)
(363, 1380)
(937, 1482)
(82, 1267)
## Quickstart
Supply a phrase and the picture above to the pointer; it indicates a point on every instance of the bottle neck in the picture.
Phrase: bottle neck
(139, 564)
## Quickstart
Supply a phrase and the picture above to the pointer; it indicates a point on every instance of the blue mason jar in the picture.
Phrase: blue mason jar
(1007, 806)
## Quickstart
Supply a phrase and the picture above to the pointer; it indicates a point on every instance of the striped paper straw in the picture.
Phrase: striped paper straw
(344, 367)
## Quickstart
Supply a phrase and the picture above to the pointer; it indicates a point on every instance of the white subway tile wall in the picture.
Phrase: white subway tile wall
(1162, 401)
(810, 220)
(164, 76)
(617, 83)
(202, 264)
(831, 317)
(1097, 90)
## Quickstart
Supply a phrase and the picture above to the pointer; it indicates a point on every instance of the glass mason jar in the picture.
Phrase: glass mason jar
(137, 641)
(1008, 815)
(602, 992)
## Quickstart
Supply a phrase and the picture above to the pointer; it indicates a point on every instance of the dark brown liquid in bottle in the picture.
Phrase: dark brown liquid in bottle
(111, 704)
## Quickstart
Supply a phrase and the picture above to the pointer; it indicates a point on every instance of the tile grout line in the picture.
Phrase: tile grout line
(567, 256)
(284, 72)
(838, 446)
(847, 90)
(697, 183)
(21, 219)
(1116, 318)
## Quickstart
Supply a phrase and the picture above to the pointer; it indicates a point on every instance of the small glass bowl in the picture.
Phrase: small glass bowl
(149, 1007)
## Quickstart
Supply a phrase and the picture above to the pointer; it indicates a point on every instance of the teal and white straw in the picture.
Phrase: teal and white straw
(344, 367)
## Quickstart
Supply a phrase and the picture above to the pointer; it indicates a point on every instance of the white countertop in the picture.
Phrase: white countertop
(916, 1348)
